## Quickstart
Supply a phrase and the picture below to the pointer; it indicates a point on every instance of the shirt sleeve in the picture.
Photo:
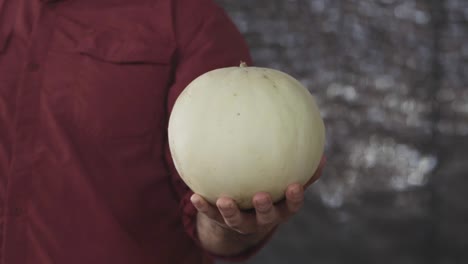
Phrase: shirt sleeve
(206, 40)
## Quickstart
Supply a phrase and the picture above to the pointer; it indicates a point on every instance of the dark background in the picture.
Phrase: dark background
(391, 79)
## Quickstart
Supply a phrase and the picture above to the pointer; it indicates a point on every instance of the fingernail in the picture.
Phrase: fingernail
(263, 204)
(228, 206)
(195, 200)
(296, 193)
(296, 190)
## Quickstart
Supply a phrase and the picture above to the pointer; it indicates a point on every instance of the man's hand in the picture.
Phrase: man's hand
(225, 229)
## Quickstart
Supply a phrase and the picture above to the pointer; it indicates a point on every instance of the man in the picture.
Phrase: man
(86, 88)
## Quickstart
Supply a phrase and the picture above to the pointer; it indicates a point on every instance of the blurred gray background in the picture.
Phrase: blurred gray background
(391, 78)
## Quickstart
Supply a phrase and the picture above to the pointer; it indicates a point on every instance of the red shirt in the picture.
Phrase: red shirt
(85, 91)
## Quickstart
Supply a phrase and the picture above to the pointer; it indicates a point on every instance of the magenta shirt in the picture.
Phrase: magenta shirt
(86, 87)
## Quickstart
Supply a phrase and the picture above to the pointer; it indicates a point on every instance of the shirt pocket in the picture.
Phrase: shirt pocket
(124, 48)
(112, 83)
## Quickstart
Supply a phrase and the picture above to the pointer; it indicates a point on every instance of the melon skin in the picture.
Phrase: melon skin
(237, 131)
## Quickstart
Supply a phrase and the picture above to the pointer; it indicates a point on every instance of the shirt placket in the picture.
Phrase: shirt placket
(26, 138)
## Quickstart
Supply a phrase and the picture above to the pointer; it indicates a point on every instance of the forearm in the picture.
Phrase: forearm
(223, 241)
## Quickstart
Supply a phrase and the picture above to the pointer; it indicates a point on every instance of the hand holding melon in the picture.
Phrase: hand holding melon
(237, 131)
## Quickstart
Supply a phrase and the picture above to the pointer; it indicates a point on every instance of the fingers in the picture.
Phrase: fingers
(265, 217)
(266, 212)
(294, 198)
(205, 208)
(230, 212)
(227, 213)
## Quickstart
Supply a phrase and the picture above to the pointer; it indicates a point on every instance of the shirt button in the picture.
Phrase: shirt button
(33, 67)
